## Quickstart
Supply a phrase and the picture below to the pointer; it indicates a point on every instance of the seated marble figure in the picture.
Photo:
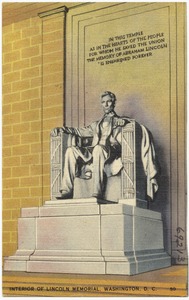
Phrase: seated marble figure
(103, 156)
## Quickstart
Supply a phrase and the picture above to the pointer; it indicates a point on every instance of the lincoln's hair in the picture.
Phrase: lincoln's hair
(107, 93)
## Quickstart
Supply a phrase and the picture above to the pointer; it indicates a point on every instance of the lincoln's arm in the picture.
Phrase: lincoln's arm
(81, 132)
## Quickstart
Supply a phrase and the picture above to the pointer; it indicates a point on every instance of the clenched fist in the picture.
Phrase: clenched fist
(55, 131)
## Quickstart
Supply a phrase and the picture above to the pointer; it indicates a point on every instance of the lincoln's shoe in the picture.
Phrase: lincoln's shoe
(98, 196)
(65, 195)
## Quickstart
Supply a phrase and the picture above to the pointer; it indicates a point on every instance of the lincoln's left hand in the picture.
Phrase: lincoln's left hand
(119, 122)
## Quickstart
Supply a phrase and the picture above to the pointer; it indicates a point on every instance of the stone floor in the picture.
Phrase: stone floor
(170, 281)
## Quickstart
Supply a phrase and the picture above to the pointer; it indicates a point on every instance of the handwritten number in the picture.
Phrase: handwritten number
(180, 259)
(179, 238)
(179, 229)
(179, 251)
(179, 244)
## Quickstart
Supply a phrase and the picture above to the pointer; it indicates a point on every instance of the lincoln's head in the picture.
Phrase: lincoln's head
(108, 100)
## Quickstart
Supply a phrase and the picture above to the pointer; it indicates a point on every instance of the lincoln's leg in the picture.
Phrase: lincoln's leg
(99, 157)
(70, 168)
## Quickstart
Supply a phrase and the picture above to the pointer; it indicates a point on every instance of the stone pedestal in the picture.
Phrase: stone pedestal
(81, 236)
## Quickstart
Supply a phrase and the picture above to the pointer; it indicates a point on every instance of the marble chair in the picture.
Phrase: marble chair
(127, 186)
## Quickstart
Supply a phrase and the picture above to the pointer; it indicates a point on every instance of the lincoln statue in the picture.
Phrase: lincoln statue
(102, 156)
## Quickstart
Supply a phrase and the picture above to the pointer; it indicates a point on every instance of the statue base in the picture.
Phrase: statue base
(80, 236)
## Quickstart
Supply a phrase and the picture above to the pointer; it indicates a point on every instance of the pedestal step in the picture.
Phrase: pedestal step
(84, 237)
(89, 265)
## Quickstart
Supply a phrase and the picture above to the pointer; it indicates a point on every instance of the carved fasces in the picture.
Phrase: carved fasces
(128, 160)
(56, 162)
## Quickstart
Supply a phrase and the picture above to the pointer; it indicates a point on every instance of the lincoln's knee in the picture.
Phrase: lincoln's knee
(70, 151)
(97, 149)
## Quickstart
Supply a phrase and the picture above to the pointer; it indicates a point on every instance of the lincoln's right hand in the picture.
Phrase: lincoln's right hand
(55, 131)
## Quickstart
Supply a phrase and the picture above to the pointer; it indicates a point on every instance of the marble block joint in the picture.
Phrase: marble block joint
(80, 236)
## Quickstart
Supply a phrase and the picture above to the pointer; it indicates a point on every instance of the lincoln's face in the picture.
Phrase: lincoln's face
(107, 104)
